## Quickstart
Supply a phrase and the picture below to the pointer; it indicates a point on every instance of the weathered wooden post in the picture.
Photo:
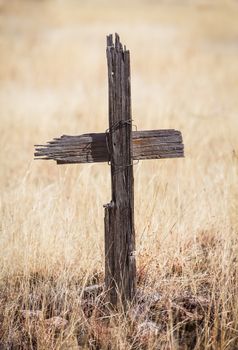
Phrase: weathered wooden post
(119, 146)
(120, 266)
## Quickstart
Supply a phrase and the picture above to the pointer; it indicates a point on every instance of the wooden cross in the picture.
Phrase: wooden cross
(119, 146)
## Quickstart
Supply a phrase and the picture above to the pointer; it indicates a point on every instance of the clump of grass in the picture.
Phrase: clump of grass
(177, 311)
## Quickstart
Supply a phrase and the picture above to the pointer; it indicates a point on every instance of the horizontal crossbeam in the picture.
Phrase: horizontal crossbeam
(90, 148)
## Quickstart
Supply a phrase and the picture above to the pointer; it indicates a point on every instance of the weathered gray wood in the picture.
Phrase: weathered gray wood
(119, 214)
(148, 144)
(120, 146)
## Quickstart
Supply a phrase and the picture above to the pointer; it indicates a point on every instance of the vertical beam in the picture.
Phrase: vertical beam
(120, 267)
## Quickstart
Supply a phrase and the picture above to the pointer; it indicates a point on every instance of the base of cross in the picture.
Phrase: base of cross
(120, 146)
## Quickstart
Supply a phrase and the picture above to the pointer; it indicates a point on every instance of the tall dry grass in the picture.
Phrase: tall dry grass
(53, 82)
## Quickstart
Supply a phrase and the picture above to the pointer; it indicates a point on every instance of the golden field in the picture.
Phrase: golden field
(53, 81)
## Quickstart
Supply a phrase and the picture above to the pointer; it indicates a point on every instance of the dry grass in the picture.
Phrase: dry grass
(53, 82)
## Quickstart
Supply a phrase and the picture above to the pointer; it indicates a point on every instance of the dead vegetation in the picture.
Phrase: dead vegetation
(40, 313)
(172, 310)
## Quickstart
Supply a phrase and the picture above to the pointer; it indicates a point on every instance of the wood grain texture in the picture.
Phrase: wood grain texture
(90, 148)
(120, 264)
(120, 145)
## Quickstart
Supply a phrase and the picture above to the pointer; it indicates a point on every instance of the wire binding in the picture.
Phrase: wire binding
(118, 125)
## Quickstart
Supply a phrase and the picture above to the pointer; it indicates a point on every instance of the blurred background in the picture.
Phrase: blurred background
(53, 81)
